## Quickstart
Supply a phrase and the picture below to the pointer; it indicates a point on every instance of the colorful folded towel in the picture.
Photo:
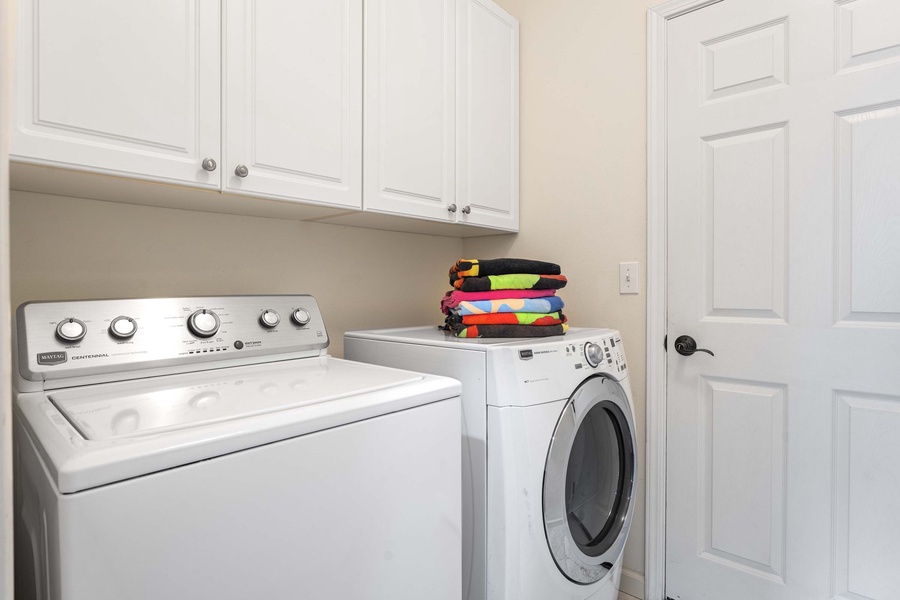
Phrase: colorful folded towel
(513, 281)
(475, 267)
(536, 319)
(547, 304)
(452, 298)
(506, 331)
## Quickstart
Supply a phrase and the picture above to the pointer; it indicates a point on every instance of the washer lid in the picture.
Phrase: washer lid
(111, 411)
(101, 434)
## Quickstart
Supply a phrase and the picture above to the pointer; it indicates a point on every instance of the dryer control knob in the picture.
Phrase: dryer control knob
(593, 354)
(70, 330)
(204, 323)
(300, 316)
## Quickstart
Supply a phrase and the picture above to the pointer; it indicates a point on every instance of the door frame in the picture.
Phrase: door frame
(655, 537)
(8, 12)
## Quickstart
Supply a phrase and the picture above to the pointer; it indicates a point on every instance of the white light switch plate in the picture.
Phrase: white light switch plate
(628, 278)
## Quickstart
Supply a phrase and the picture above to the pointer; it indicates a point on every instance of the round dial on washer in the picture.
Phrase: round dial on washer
(593, 353)
(300, 316)
(269, 319)
(70, 330)
(122, 328)
(204, 323)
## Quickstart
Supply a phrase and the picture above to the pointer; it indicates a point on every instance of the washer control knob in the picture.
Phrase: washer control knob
(122, 328)
(301, 317)
(593, 354)
(70, 330)
(204, 323)
(269, 319)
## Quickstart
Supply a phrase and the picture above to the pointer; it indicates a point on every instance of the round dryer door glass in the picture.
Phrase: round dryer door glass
(589, 481)
(594, 482)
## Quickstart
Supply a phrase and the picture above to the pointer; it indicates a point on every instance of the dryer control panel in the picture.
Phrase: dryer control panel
(551, 368)
(60, 340)
(605, 353)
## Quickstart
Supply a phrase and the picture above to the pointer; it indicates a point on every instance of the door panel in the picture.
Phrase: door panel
(863, 38)
(124, 87)
(783, 224)
(868, 144)
(487, 146)
(745, 61)
(743, 457)
(743, 195)
(293, 99)
(867, 482)
(409, 107)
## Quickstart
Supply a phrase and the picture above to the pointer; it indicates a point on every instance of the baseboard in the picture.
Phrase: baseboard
(632, 583)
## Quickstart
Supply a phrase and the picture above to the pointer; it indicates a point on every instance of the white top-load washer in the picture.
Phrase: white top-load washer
(548, 455)
(210, 448)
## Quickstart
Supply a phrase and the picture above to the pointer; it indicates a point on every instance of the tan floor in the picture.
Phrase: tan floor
(624, 596)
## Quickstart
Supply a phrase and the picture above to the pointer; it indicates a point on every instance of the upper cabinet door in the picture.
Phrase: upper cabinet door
(487, 150)
(293, 100)
(409, 107)
(128, 88)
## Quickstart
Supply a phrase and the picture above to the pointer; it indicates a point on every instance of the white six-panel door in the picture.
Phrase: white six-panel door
(292, 96)
(128, 88)
(409, 107)
(784, 259)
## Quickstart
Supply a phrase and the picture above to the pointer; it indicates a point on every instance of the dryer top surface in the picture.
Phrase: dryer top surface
(432, 336)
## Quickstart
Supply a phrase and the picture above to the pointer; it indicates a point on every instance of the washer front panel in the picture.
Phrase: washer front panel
(588, 505)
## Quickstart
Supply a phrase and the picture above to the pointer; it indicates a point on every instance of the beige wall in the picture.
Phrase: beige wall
(68, 248)
(583, 156)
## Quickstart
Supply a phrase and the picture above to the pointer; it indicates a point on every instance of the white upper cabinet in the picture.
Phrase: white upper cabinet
(409, 108)
(442, 111)
(129, 88)
(487, 116)
(293, 100)
(364, 110)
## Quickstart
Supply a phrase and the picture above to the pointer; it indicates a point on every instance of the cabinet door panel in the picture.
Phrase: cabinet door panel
(293, 99)
(130, 88)
(487, 150)
(409, 107)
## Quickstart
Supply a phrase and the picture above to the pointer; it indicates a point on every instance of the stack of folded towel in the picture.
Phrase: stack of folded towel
(504, 297)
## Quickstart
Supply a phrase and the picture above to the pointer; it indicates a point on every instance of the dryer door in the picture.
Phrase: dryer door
(589, 481)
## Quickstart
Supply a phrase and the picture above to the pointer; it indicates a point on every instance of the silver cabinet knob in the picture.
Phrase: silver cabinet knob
(209, 164)
(466, 210)
(241, 170)
(451, 208)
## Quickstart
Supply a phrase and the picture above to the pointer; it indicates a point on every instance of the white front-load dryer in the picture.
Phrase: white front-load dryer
(549, 456)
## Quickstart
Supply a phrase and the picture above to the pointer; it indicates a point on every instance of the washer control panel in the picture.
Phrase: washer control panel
(58, 340)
